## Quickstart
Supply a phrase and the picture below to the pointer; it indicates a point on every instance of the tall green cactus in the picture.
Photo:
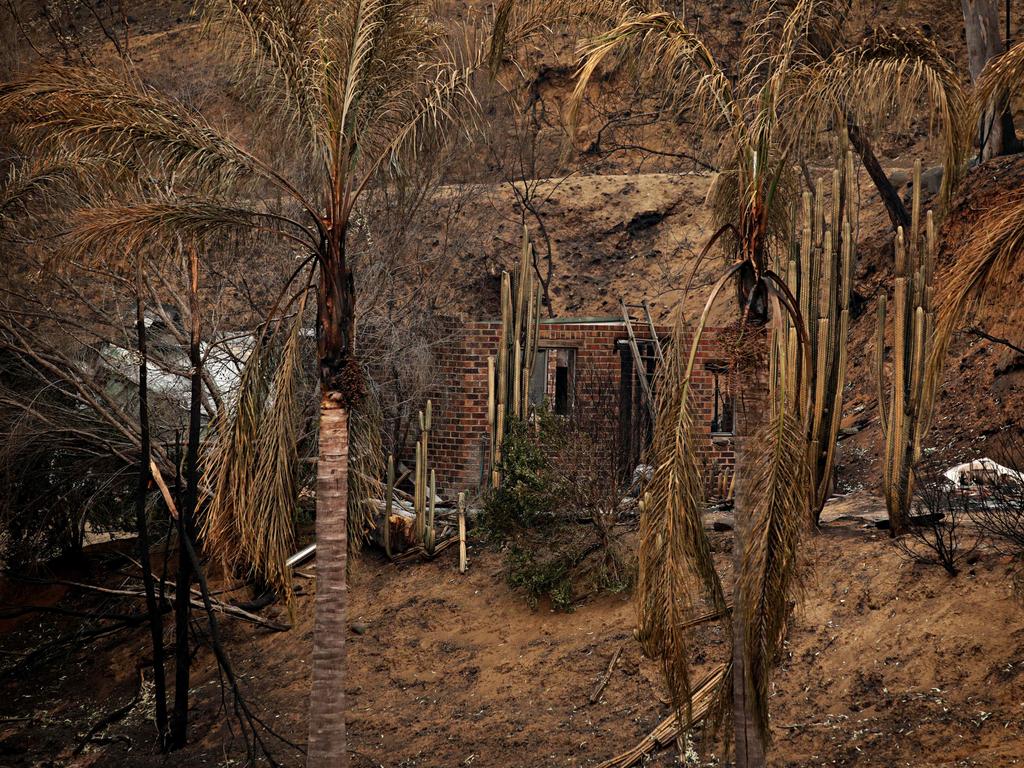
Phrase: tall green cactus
(820, 276)
(907, 415)
(508, 372)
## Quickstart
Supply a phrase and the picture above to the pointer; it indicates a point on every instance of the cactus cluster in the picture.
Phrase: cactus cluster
(907, 414)
(423, 504)
(508, 372)
(819, 274)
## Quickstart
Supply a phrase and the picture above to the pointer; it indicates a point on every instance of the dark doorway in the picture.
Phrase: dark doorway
(635, 427)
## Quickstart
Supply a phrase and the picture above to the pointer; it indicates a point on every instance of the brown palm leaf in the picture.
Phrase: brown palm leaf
(230, 460)
(1000, 81)
(660, 45)
(995, 243)
(675, 562)
(780, 491)
(879, 83)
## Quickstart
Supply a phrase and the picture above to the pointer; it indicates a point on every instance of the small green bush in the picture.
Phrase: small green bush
(537, 578)
(529, 496)
(552, 515)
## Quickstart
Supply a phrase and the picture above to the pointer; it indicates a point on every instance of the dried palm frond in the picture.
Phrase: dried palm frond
(37, 185)
(994, 245)
(100, 231)
(674, 557)
(879, 83)
(780, 490)
(806, 27)
(266, 524)
(99, 114)
(270, 43)
(518, 22)
(229, 463)
(1000, 81)
(660, 45)
(365, 467)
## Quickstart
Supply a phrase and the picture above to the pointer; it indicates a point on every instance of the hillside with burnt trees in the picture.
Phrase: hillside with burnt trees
(594, 383)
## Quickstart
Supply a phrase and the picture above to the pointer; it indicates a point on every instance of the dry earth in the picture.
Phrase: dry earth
(886, 664)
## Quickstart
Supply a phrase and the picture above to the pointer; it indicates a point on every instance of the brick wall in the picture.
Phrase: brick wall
(460, 434)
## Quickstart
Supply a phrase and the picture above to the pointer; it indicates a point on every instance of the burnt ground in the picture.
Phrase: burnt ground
(887, 663)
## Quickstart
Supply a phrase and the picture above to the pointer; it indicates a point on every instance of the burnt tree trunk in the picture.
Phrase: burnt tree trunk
(341, 386)
(156, 622)
(898, 214)
(186, 516)
(996, 135)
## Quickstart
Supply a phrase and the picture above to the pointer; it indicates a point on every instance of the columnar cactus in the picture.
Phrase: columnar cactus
(508, 373)
(820, 277)
(907, 414)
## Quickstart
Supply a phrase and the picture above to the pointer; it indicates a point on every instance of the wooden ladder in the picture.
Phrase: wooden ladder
(640, 361)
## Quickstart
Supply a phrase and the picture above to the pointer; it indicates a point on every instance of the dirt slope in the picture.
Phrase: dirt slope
(983, 388)
(611, 236)
(886, 664)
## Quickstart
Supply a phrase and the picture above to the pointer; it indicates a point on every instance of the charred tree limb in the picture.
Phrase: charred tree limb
(156, 623)
(898, 214)
(981, 334)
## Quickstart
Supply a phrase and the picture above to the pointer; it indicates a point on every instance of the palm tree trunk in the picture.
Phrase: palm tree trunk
(326, 748)
(341, 385)
(996, 135)
(750, 747)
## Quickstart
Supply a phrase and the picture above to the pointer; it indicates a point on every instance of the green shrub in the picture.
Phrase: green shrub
(529, 496)
(552, 518)
(550, 576)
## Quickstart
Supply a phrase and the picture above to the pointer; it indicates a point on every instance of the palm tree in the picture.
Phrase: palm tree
(785, 89)
(341, 93)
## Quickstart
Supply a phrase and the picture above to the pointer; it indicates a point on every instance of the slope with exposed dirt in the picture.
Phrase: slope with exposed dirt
(885, 664)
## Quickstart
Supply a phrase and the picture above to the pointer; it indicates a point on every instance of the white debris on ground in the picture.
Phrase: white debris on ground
(982, 472)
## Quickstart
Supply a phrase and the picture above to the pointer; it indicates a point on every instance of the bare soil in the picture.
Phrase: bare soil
(886, 664)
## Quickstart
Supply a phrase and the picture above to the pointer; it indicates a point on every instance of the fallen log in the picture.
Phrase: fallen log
(668, 730)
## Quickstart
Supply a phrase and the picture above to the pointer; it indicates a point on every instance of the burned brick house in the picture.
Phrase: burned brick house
(596, 350)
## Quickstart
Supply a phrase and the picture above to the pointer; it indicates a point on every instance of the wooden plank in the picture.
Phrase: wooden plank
(641, 369)
(658, 351)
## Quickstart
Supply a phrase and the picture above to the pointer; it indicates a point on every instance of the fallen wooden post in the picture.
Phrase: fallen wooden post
(462, 532)
(596, 694)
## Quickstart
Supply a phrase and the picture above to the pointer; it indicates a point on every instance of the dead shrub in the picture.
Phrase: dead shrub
(939, 532)
(998, 508)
